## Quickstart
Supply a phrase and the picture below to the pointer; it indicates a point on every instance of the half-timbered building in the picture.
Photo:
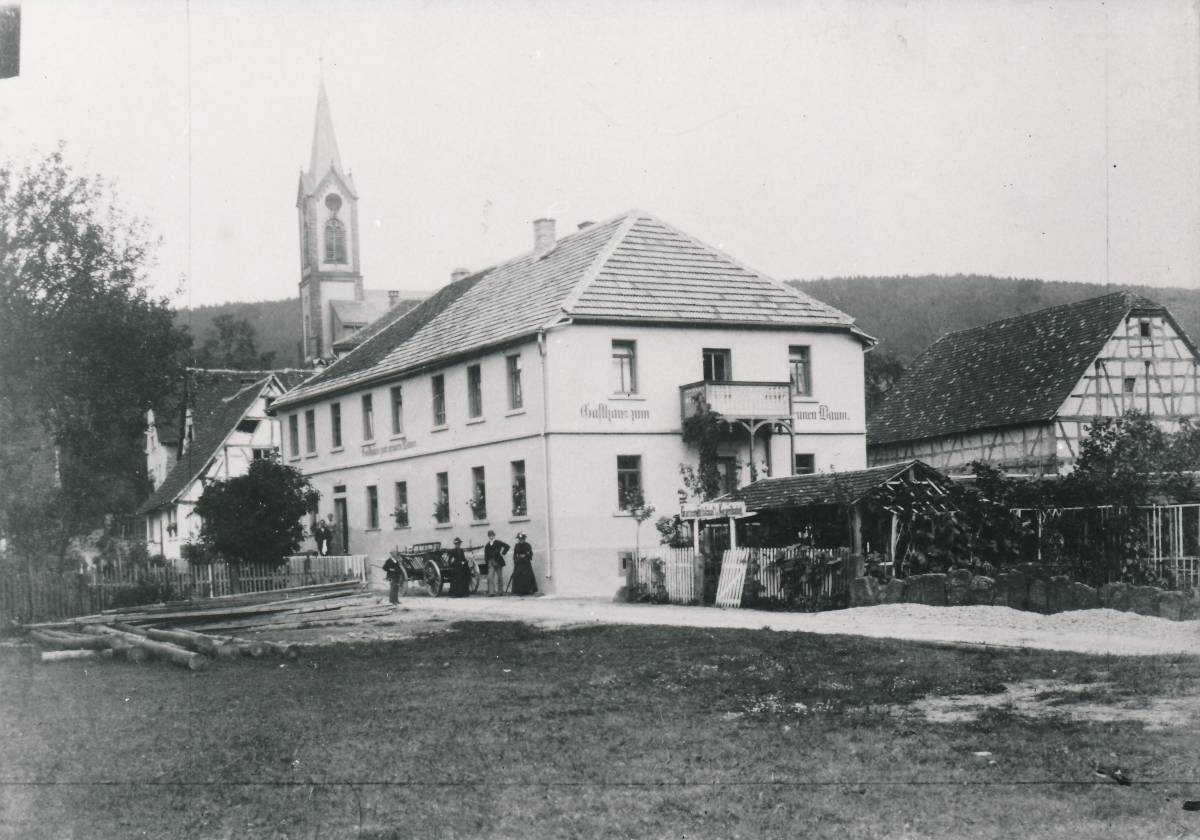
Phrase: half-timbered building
(1020, 393)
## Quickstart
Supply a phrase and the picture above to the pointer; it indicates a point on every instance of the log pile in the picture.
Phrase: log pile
(186, 633)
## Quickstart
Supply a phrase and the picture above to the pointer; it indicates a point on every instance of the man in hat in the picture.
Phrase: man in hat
(460, 571)
(493, 554)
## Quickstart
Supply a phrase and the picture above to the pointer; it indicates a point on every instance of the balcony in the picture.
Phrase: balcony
(739, 400)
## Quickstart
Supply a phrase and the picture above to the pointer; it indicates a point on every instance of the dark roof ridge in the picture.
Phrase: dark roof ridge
(1130, 298)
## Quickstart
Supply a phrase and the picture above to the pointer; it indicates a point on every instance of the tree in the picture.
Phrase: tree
(256, 517)
(233, 346)
(84, 350)
(881, 370)
(634, 501)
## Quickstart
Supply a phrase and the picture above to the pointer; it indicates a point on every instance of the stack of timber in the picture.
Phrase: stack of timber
(185, 632)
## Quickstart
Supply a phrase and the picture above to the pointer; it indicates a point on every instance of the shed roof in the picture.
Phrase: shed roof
(1009, 372)
(632, 268)
(828, 488)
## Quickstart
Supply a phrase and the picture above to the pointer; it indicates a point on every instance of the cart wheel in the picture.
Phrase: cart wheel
(433, 578)
(474, 577)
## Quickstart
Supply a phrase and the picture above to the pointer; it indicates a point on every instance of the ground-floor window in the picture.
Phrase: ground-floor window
(478, 494)
(401, 511)
(805, 463)
(727, 468)
(441, 511)
(519, 505)
(372, 508)
(629, 481)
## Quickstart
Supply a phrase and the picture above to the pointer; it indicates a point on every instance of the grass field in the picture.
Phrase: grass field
(498, 730)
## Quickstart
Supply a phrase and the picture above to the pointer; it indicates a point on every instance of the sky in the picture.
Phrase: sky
(808, 139)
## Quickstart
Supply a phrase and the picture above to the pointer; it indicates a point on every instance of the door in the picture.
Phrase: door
(341, 527)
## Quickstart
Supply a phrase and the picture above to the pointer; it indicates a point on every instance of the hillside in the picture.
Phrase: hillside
(276, 325)
(907, 314)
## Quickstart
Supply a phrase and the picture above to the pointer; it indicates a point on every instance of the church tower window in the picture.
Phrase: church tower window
(335, 241)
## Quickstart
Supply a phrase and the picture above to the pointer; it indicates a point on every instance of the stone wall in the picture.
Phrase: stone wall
(1022, 588)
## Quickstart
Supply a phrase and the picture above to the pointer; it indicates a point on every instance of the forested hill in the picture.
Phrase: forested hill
(276, 325)
(907, 314)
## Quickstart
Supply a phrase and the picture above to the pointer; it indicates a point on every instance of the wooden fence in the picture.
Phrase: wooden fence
(676, 575)
(47, 596)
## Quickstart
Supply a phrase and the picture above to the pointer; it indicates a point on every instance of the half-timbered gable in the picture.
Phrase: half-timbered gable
(1020, 393)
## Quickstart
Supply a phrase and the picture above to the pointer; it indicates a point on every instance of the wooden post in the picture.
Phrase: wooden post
(732, 533)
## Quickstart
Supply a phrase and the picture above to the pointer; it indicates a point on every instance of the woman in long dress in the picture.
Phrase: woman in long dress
(460, 571)
(523, 581)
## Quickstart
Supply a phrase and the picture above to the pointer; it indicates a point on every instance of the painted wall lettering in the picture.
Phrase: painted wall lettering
(602, 411)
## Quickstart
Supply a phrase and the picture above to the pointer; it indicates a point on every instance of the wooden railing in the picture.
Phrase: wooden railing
(761, 400)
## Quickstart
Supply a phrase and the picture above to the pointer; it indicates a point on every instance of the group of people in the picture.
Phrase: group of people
(458, 571)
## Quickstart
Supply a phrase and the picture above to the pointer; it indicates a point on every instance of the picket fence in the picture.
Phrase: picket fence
(48, 596)
(677, 574)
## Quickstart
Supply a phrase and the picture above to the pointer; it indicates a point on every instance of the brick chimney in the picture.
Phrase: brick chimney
(459, 274)
(543, 236)
(585, 225)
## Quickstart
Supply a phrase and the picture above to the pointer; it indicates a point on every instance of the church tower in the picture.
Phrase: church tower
(327, 204)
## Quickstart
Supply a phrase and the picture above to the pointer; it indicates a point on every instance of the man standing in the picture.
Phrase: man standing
(493, 555)
(395, 576)
(322, 535)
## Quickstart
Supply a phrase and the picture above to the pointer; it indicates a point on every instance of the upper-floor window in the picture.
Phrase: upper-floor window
(335, 241)
(516, 399)
(294, 435)
(800, 367)
(718, 365)
(805, 463)
(624, 367)
(368, 417)
(728, 470)
(310, 431)
(397, 410)
(474, 391)
(1130, 384)
(439, 399)
(1144, 329)
(335, 425)
(629, 481)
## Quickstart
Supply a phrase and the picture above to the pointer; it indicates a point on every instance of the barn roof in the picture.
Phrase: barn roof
(1009, 372)
(632, 268)
(828, 488)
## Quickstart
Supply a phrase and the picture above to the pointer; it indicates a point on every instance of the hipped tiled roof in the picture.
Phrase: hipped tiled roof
(631, 268)
(1009, 372)
(827, 488)
(219, 399)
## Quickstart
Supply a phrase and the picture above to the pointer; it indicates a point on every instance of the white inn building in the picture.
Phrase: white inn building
(530, 395)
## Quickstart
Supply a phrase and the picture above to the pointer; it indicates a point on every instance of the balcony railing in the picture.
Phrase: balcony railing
(740, 400)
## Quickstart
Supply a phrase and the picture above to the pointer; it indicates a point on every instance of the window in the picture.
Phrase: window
(310, 431)
(294, 435)
(335, 241)
(1144, 329)
(474, 391)
(397, 410)
(800, 363)
(372, 508)
(624, 367)
(400, 514)
(519, 504)
(478, 493)
(1130, 384)
(805, 463)
(439, 400)
(727, 468)
(717, 366)
(515, 398)
(172, 522)
(368, 417)
(264, 454)
(335, 425)
(441, 511)
(629, 481)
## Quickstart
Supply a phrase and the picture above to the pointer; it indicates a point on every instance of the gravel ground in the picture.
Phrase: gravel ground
(1085, 631)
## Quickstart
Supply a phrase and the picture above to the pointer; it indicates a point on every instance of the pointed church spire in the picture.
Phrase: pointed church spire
(324, 146)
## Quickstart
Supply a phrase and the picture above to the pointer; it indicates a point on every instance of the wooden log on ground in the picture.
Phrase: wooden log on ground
(298, 619)
(65, 655)
(57, 640)
(119, 647)
(173, 653)
(195, 641)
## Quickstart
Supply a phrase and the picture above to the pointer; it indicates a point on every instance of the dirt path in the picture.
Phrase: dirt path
(1087, 631)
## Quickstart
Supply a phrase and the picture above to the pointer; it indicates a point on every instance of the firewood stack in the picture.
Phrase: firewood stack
(192, 634)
